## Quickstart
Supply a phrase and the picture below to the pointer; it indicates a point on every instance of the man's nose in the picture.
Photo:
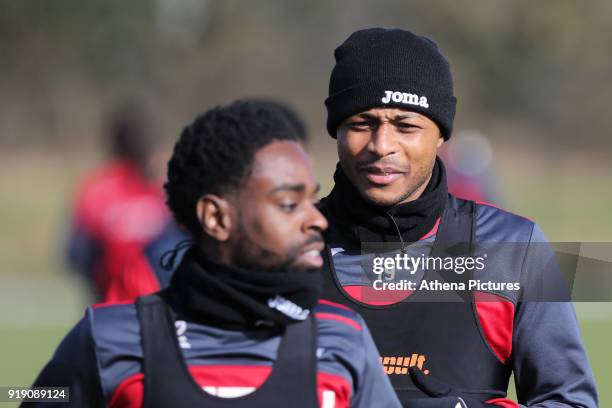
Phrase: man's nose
(382, 140)
(316, 220)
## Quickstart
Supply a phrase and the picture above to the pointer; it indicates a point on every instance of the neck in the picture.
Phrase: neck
(223, 295)
(216, 252)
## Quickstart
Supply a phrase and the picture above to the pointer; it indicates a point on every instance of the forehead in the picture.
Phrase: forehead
(282, 162)
(390, 113)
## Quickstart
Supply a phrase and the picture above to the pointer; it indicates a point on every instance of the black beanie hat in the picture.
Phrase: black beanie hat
(379, 67)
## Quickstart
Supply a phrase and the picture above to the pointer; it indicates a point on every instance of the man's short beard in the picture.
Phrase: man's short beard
(411, 192)
(404, 196)
(400, 200)
(250, 255)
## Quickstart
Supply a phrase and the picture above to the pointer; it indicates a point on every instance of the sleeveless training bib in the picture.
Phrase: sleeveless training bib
(168, 383)
(436, 331)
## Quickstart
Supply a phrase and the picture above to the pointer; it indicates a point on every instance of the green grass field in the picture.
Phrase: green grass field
(40, 300)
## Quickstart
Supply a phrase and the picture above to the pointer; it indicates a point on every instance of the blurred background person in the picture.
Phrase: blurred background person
(118, 209)
(470, 173)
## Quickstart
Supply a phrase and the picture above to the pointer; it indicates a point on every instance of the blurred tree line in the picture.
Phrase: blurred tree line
(539, 67)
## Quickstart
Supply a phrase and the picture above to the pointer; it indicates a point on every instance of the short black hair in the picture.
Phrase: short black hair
(294, 118)
(215, 154)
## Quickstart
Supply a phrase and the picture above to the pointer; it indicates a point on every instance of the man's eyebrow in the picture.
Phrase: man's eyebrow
(298, 188)
(366, 115)
(406, 116)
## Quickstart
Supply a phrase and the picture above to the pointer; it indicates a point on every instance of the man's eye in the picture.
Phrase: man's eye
(361, 124)
(402, 125)
(288, 207)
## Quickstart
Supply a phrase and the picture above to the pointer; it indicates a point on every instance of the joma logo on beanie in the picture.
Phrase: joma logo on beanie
(404, 97)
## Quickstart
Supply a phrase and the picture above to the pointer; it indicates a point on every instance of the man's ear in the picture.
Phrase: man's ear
(215, 216)
(440, 141)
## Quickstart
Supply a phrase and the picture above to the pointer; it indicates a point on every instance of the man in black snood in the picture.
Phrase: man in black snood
(390, 107)
(241, 323)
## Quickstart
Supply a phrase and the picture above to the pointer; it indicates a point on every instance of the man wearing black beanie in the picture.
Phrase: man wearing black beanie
(391, 105)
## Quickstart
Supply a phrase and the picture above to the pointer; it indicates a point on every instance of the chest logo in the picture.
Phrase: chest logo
(288, 308)
(400, 365)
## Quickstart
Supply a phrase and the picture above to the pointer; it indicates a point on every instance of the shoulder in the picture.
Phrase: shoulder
(74, 364)
(115, 331)
(114, 328)
(341, 345)
(112, 316)
(76, 343)
(340, 318)
(495, 224)
(103, 311)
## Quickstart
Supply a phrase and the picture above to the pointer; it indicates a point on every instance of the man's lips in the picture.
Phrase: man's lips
(380, 175)
(311, 255)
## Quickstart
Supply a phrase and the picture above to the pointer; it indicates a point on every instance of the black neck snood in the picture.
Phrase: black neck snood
(233, 298)
(406, 223)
